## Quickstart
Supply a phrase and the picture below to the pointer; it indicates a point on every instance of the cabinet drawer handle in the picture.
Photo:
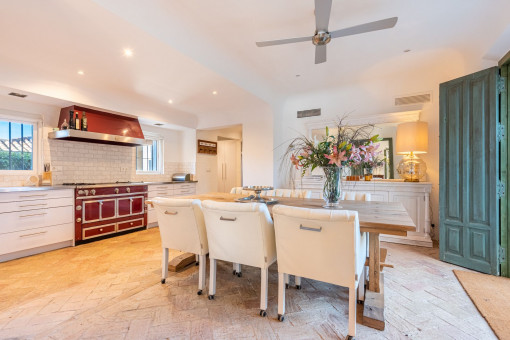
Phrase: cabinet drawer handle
(33, 234)
(33, 215)
(32, 205)
(40, 195)
(228, 219)
(170, 212)
(309, 228)
(100, 229)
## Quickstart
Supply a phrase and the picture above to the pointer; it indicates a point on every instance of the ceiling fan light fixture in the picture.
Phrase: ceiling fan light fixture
(321, 38)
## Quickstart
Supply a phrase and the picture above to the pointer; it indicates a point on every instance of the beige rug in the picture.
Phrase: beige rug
(491, 295)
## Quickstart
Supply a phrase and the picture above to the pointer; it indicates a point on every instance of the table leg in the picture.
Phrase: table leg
(373, 313)
(374, 263)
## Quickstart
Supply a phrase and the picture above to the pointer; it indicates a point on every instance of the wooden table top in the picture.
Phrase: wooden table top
(375, 217)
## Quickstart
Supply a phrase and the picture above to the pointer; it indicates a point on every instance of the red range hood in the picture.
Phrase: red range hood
(103, 128)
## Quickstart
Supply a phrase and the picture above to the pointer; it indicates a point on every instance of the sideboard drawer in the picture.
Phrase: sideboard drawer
(130, 224)
(33, 238)
(37, 218)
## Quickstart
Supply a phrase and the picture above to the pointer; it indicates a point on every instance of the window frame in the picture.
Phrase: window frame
(37, 123)
(159, 155)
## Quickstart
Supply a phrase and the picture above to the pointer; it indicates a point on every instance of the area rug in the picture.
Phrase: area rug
(491, 295)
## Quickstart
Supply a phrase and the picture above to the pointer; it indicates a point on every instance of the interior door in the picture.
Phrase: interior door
(229, 165)
(469, 171)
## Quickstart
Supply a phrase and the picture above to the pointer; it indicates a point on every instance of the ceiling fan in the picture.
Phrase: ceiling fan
(322, 36)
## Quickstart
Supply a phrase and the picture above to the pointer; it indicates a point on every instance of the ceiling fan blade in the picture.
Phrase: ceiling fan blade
(364, 28)
(282, 41)
(322, 13)
(320, 54)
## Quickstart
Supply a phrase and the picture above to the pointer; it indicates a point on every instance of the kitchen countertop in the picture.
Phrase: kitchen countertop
(72, 187)
(16, 189)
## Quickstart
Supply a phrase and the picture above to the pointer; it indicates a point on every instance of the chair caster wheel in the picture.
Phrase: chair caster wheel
(211, 297)
(286, 286)
(239, 274)
(281, 318)
(298, 287)
(263, 313)
(163, 280)
(197, 263)
(199, 292)
(350, 337)
(234, 272)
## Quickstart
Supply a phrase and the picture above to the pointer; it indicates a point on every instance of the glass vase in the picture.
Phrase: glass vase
(369, 173)
(332, 186)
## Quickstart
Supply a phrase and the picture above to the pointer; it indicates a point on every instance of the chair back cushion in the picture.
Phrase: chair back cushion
(319, 244)
(181, 224)
(240, 233)
(355, 196)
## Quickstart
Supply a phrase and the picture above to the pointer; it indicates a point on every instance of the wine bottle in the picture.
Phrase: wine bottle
(84, 126)
(71, 120)
(77, 121)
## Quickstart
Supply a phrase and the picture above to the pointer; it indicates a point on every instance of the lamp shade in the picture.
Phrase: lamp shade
(412, 137)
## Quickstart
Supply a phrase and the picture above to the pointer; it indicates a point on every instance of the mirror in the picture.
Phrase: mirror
(388, 132)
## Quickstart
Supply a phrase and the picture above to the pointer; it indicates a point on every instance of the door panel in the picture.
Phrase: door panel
(108, 208)
(137, 205)
(124, 206)
(469, 169)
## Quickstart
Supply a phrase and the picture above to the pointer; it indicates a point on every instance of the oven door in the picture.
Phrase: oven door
(130, 206)
(97, 210)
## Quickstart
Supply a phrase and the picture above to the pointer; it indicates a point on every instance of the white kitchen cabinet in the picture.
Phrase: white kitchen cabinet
(34, 221)
(166, 190)
(414, 196)
(229, 165)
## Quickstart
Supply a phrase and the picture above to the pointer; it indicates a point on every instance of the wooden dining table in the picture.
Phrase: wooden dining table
(375, 218)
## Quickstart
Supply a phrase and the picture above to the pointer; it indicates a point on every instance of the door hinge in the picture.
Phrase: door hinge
(500, 189)
(501, 84)
(500, 132)
(502, 254)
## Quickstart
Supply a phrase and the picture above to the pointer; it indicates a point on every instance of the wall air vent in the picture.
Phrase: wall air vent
(17, 95)
(420, 98)
(309, 113)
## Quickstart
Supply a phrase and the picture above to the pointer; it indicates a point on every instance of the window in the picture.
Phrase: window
(149, 158)
(16, 146)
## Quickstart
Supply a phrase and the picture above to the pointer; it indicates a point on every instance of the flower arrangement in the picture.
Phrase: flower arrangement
(350, 146)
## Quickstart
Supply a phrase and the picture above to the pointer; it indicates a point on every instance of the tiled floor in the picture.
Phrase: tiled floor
(110, 290)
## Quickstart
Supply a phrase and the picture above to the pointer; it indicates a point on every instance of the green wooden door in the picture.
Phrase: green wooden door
(469, 171)
(505, 144)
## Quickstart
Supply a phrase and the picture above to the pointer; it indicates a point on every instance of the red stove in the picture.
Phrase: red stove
(106, 209)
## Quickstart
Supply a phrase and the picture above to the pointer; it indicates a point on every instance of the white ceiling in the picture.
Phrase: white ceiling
(183, 50)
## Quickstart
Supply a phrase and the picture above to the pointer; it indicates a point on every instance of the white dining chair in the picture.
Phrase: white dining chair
(355, 196)
(240, 233)
(182, 227)
(320, 244)
(287, 193)
(240, 191)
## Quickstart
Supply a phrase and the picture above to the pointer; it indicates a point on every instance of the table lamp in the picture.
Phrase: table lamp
(412, 139)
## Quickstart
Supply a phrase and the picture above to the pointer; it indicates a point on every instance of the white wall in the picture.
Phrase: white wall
(374, 97)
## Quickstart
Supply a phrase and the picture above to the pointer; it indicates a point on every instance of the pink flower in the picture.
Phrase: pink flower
(336, 157)
(305, 154)
(295, 161)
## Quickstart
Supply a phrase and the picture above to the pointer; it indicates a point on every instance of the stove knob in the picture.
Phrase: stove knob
(78, 207)
(93, 192)
(116, 190)
(80, 192)
(78, 220)
(128, 189)
(86, 192)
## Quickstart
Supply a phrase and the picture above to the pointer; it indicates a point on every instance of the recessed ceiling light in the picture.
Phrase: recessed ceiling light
(215, 92)
(405, 51)
(80, 72)
(170, 101)
(128, 52)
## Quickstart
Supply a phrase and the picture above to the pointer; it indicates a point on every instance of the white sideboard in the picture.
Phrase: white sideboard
(414, 196)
